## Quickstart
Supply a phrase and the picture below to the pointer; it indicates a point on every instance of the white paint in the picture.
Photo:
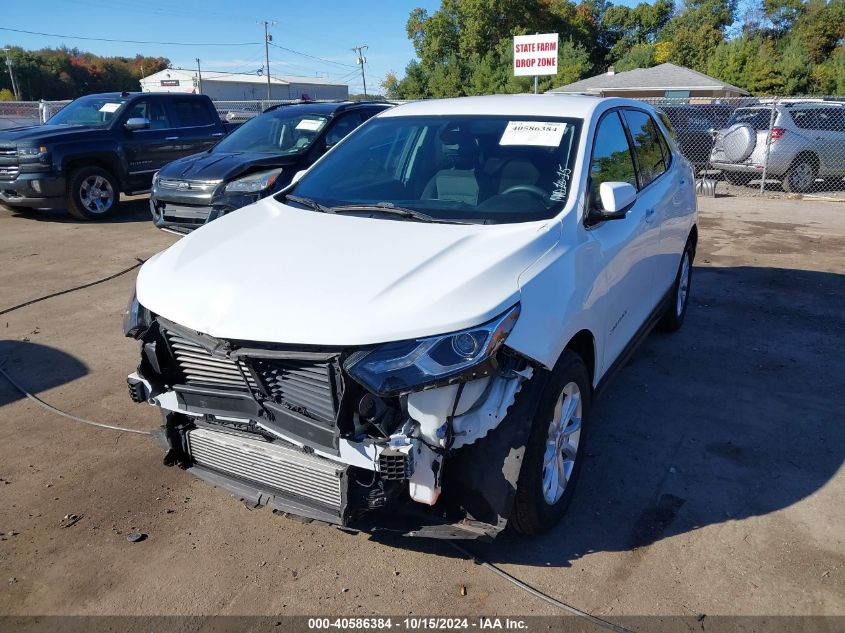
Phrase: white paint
(324, 280)
(538, 133)
(535, 54)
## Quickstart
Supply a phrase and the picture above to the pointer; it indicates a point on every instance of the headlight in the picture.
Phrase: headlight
(136, 319)
(254, 182)
(405, 366)
(32, 152)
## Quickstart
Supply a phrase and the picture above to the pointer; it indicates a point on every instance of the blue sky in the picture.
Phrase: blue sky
(327, 29)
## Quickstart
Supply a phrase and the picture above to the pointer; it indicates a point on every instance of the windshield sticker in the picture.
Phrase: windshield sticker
(110, 107)
(561, 183)
(540, 133)
(312, 125)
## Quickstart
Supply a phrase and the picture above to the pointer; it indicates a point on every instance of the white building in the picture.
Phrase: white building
(242, 86)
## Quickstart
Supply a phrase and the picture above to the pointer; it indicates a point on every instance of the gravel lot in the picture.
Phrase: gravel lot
(714, 483)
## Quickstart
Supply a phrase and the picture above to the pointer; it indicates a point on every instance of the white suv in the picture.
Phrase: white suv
(410, 336)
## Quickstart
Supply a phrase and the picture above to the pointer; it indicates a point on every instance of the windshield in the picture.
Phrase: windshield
(469, 168)
(93, 111)
(282, 131)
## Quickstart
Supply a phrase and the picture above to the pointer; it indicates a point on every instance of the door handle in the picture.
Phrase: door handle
(649, 215)
(171, 138)
(217, 134)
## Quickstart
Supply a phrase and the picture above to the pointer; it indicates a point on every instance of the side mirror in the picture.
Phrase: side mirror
(616, 198)
(137, 123)
(297, 176)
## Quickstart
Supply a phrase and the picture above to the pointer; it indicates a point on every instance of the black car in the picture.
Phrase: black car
(694, 126)
(258, 159)
(101, 145)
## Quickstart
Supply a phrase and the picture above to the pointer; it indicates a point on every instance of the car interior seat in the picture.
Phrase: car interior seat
(457, 181)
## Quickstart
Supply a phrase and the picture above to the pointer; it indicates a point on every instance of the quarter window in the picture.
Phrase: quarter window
(612, 161)
(647, 147)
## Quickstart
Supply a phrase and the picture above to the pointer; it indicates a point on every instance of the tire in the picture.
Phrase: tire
(801, 176)
(92, 193)
(673, 318)
(539, 504)
(737, 179)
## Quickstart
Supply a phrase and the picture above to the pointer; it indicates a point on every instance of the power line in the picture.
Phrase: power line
(105, 39)
(325, 61)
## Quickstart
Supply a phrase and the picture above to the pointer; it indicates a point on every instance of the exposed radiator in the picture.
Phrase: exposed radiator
(201, 368)
(270, 465)
(305, 387)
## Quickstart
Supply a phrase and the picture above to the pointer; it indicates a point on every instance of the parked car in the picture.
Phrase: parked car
(98, 146)
(258, 159)
(412, 334)
(807, 141)
(695, 127)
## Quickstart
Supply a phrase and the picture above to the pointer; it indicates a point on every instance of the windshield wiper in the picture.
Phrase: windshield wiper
(389, 209)
(308, 202)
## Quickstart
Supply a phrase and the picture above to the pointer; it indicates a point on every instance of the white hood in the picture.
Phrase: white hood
(273, 273)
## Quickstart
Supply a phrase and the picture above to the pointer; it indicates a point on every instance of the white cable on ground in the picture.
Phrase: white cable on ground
(53, 409)
(539, 594)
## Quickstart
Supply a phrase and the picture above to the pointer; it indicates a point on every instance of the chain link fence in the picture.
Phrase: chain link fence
(746, 146)
(775, 145)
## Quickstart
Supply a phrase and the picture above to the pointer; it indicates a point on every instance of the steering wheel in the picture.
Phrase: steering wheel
(532, 189)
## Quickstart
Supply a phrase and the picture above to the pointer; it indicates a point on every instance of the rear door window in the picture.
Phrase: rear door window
(647, 146)
(191, 112)
(832, 119)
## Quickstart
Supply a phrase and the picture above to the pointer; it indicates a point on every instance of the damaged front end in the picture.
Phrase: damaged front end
(408, 436)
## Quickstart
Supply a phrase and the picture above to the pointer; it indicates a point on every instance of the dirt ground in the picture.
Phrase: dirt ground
(714, 481)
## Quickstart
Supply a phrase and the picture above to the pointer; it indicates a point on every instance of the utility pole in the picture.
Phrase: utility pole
(199, 76)
(12, 75)
(359, 52)
(267, 39)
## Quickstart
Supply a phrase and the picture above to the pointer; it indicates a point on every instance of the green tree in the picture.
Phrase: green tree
(639, 56)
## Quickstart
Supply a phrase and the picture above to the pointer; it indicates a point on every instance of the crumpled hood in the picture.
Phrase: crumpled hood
(38, 134)
(222, 165)
(273, 273)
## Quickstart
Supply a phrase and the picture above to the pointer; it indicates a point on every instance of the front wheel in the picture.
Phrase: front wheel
(555, 449)
(673, 318)
(92, 193)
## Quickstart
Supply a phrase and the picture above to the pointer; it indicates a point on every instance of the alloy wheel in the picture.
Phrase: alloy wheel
(96, 194)
(562, 443)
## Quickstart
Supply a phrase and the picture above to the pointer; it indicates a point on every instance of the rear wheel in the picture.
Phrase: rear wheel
(801, 176)
(673, 318)
(92, 193)
(555, 448)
